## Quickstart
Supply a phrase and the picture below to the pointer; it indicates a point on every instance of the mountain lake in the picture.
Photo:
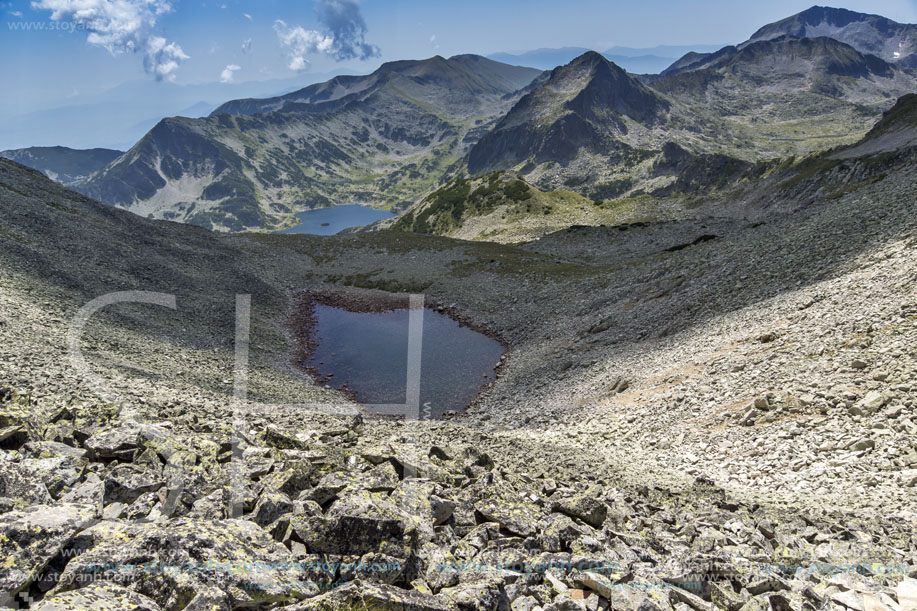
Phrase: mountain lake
(366, 354)
(329, 221)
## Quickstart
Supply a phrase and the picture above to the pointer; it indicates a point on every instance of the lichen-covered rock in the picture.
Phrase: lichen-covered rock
(21, 485)
(270, 507)
(377, 597)
(508, 507)
(58, 473)
(99, 596)
(584, 506)
(173, 562)
(127, 483)
(114, 444)
(31, 538)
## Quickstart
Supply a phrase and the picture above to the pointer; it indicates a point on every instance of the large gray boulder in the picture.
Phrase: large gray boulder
(32, 538)
(21, 486)
(185, 562)
(99, 596)
(378, 597)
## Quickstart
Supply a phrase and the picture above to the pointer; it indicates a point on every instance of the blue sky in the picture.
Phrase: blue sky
(69, 55)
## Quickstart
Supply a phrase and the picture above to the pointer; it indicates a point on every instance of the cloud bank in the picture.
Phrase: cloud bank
(123, 26)
(342, 35)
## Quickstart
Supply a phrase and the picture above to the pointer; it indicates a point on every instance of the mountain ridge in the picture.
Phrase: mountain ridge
(70, 167)
(892, 41)
(380, 139)
(510, 77)
(869, 34)
(577, 129)
(582, 105)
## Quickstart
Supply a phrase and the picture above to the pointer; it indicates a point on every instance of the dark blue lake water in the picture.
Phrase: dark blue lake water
(329, 221)
(368, 353)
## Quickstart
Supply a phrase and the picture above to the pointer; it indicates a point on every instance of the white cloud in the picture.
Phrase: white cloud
(247, 16)
(226, 76)
(301, 42)
(16, 13)
(162, 58)
(123, 26)
(246, 45)
(342, 37)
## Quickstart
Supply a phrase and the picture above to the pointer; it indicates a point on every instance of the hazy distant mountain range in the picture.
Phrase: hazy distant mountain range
(588, 125)
(117, 118)
(650, 60)
(67, 166)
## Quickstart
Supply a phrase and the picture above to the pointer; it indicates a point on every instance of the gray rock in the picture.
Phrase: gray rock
(907, 594)
(114, 444)
(584, 506)
(233, 562)
(31, 538)
(271, 505)
(21, 485)
(127, 483)
(98, 596)
(378, 597)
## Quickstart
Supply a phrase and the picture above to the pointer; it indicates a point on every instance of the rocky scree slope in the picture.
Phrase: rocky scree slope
(379, 139)
(665, 399)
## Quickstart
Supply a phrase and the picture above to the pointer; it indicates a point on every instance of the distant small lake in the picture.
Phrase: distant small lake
(366, 353)
(329, 221)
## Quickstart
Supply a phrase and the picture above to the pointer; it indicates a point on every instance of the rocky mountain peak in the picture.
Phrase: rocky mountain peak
(873, 34)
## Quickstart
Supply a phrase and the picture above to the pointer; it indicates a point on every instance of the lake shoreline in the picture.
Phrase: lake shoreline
(302, 324)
